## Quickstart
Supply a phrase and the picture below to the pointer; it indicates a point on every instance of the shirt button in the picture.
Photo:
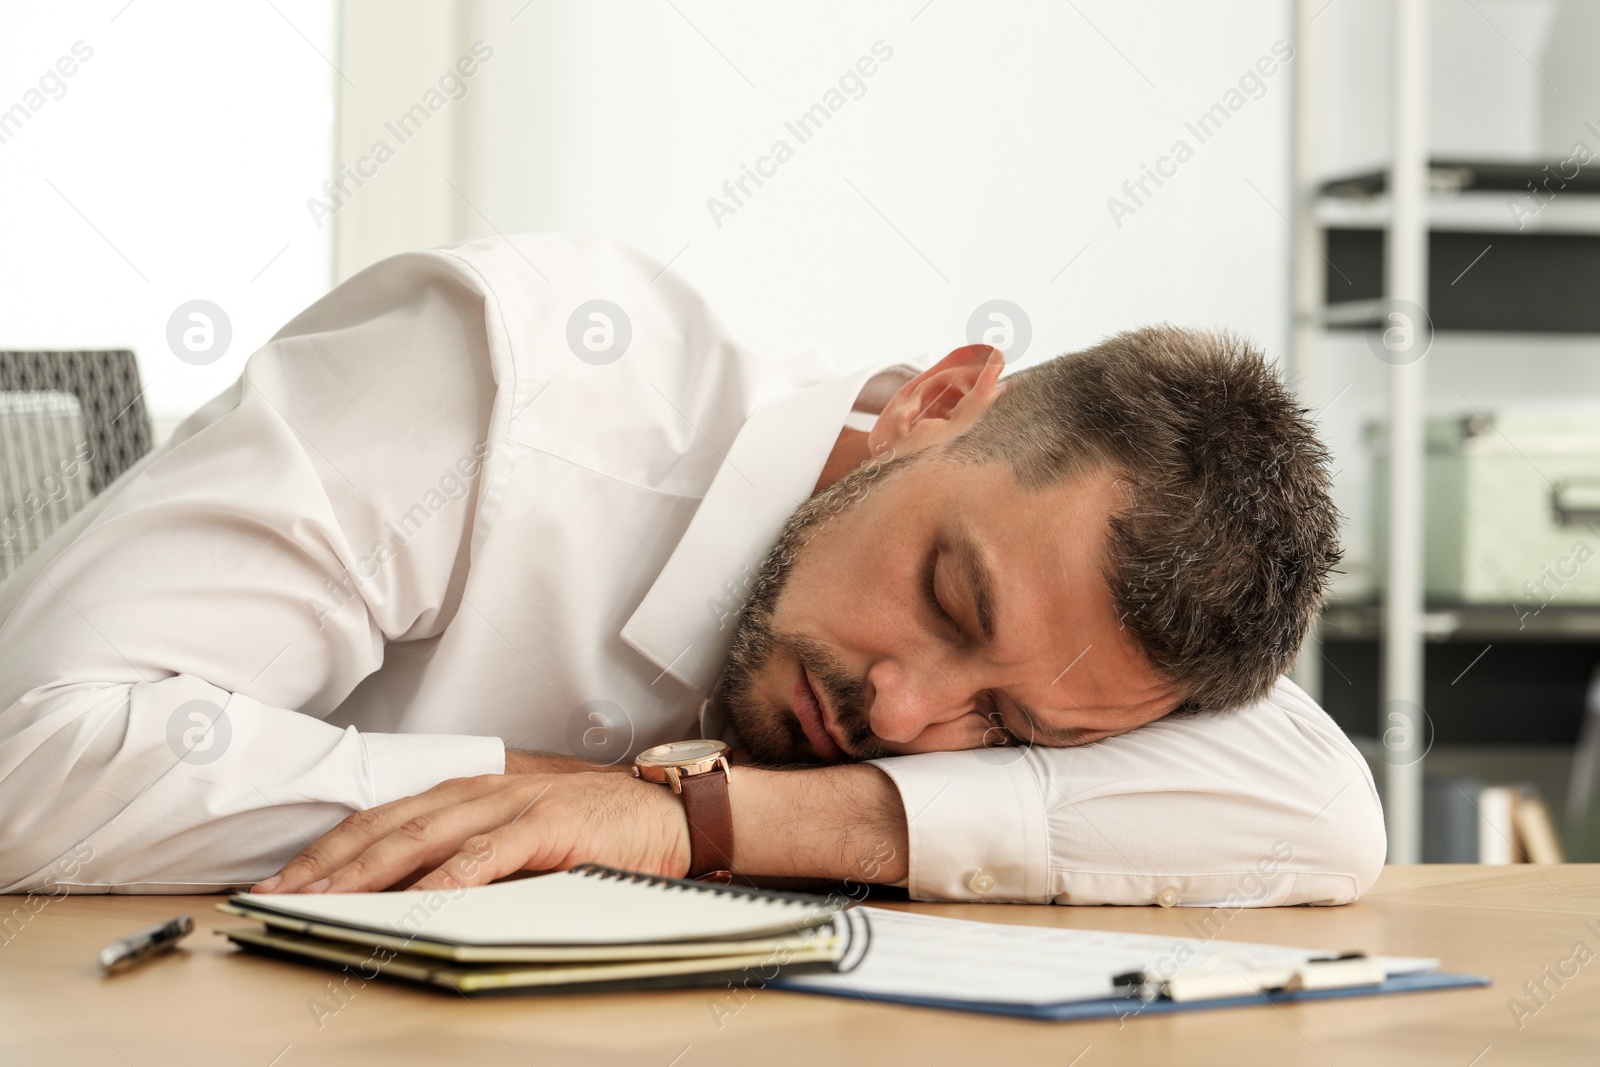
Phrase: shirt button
(1167, 897)
(982, 882)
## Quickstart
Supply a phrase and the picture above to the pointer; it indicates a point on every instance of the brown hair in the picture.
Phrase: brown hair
(1219, 561)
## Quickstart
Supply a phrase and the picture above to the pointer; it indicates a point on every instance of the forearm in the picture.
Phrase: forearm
(1269, 805)
(518, 762)
(841, 822)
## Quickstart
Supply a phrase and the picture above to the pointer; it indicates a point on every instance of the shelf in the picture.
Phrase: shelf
(1504, 282)
(1465, 175)
(1363, 621)
(1480, 691)
(1567, 212)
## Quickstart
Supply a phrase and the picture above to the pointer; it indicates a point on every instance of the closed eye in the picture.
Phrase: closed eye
(931, 595)
(990, 707)
(987, 706)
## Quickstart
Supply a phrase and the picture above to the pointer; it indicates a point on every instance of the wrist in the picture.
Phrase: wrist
(844, 822)
(668, 814)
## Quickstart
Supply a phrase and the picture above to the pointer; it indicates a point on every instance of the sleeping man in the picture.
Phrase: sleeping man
(488, 527)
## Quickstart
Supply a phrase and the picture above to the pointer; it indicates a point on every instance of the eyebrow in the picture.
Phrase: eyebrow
(979, 581)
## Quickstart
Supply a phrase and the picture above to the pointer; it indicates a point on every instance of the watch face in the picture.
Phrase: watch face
(679, 752)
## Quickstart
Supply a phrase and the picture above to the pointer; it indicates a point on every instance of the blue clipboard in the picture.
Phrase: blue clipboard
(1131, 1007)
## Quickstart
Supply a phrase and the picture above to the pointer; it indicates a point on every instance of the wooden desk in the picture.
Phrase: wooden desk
(211, 1005)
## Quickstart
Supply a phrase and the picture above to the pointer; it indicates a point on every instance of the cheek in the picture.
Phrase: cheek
(860, 606)
(821, 600)
(839, 586)
(854, 583)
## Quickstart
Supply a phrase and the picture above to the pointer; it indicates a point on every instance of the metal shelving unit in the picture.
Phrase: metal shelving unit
(1406, 271)
(1357, 621)
(1377, 233)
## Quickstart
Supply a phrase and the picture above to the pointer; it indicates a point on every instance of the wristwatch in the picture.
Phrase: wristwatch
(698, 772)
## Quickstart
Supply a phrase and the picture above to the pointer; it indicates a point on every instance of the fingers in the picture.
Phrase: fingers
(524, 844)
(357, 833)
(422, 842)
(326, 853)
(426, 840)
(606, 819)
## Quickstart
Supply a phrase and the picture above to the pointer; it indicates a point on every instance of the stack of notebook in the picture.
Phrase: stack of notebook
(595, 928)
(592, 927)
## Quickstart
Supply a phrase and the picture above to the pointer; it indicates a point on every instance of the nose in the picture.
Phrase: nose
(905, 701)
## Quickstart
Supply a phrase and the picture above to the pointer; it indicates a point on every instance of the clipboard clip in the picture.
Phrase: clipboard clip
(1207, 982)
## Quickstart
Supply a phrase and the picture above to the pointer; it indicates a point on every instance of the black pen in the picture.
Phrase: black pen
(137, 947)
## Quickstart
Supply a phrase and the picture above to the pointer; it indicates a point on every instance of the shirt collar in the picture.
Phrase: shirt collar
(686, 622)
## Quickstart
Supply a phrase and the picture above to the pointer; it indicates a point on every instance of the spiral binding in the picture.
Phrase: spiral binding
(856, 929)
(600, 870)
(849, 924)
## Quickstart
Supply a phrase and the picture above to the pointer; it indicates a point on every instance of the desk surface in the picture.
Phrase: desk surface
(210, 1004)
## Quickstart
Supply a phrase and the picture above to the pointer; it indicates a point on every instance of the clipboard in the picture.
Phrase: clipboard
(1056, 973)
(1132, 1006)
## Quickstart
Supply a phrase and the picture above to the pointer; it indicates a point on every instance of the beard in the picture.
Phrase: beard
(773, 734)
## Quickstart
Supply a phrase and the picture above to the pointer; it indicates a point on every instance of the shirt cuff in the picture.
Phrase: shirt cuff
(976, 825)
(404, 765)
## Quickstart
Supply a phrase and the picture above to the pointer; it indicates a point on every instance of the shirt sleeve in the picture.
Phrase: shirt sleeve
(1263, 806)
(168, 659)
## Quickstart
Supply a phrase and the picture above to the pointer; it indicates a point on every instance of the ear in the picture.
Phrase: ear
(941, 402)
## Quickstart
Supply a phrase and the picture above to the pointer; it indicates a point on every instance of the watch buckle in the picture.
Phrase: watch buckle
(675, 774)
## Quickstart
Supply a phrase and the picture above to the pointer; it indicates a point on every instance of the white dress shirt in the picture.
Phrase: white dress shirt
(421, 528)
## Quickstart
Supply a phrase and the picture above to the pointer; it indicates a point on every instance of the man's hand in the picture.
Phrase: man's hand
(844, 822)
(471, 831)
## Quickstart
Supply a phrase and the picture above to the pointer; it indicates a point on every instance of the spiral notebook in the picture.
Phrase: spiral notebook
(590, 927)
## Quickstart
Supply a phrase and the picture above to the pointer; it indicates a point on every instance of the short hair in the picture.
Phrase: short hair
(1219, 561)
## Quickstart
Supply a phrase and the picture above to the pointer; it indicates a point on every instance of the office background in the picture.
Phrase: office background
(995, 152)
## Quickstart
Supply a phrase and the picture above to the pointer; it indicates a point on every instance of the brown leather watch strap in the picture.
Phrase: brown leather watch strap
(710, 815)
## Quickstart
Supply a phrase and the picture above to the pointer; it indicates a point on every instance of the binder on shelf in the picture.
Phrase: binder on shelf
(1465, 821)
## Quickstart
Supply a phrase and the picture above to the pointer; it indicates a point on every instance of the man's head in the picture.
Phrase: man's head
(1096, 542)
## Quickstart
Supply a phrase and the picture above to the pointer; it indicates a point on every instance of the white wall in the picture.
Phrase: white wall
(976, 166)
(173, 166)
(403, 123)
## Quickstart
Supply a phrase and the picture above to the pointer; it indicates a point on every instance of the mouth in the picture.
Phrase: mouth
(813, 718)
